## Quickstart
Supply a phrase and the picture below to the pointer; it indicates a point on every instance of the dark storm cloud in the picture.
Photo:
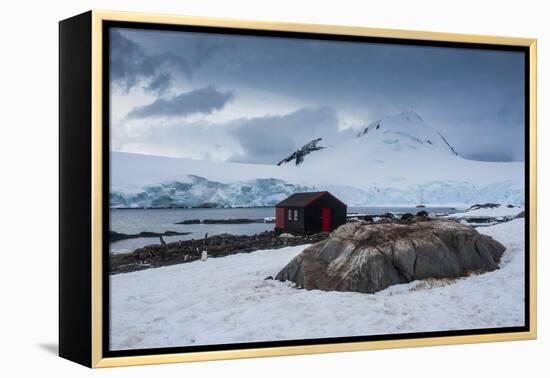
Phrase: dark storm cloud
(272, 138)
(490, 135)
(160, 83)
(204, 100)
(130, 63)
(206, 49)
(474, 97)
(198, 48)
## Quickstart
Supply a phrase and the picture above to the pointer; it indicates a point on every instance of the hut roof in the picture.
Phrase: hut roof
(304, 199)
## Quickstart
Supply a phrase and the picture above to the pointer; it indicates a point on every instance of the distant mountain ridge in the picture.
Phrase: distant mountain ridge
(398, 160)
(407, 128)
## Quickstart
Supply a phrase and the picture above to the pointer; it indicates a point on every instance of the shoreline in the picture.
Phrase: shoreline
(227, 221)
(392, 206)
(119, 236)
(221, 245)
(184, 251)
(190, 208)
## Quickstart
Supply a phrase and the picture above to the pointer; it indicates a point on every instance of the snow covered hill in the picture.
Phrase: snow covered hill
(402, 151)
(406, 128)
(399, 160)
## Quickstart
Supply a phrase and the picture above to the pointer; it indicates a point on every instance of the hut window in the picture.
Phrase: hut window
(295, 215)
(289, 214)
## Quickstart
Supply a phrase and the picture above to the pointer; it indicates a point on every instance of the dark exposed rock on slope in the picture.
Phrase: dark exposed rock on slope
(370, 257)
(521, 215)
(488, 205)
(306, 149)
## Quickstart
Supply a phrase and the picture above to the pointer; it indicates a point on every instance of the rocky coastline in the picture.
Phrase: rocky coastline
(183, 251)
(117, 236)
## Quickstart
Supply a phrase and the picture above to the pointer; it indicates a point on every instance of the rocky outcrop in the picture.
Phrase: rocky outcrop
(299, 155)
(370, 257)
(521, 214)
(488, 205)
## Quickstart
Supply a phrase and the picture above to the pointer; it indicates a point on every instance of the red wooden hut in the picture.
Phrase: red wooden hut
(309, 213)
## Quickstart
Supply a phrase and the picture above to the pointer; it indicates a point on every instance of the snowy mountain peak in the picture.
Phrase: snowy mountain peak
(408, 114)
(406, 127)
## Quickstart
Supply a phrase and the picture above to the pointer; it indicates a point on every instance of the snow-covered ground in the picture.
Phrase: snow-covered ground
(500, 211)
(227, 300)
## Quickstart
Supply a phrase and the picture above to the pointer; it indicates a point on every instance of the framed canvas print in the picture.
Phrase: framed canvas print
(236, 189)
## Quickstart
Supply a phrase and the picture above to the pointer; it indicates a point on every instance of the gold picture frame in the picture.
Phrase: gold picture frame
(94, 264)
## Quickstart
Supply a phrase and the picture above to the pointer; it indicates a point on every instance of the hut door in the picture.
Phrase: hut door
(325, 214)
(280, 218)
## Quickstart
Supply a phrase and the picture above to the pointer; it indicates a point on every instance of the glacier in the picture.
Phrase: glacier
(197, 191)
(201, 192)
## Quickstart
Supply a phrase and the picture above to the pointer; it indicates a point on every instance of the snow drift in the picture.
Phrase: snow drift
(227, 300)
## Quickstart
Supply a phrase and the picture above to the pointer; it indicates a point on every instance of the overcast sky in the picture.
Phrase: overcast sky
(256, 99)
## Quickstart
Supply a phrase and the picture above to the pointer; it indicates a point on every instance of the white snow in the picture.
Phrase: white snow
(500, 211)
(399, 161)
(227, 300)
(404, 180)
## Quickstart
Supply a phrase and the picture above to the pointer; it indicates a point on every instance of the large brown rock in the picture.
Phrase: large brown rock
(370, 257)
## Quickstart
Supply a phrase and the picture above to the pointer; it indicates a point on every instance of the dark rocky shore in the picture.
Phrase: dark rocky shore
(184, 251)
(116, 236)
(226, 221)
(157, 255)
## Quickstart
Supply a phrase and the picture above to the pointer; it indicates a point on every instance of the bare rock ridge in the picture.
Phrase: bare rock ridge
(306, 149)
(367, 258)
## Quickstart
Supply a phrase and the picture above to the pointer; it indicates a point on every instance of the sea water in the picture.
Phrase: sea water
(134, 221)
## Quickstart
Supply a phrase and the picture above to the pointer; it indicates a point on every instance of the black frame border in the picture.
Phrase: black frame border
(106, 25)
